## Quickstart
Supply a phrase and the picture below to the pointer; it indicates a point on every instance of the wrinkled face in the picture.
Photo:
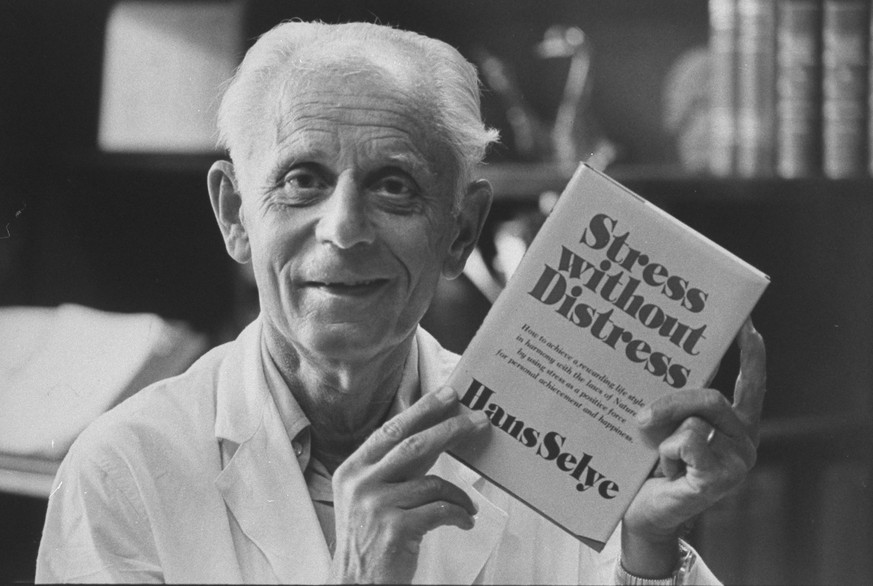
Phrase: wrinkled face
(347, 207)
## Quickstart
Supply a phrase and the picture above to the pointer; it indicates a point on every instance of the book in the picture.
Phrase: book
(723, 86)
(756, 87)
(614, 304)
(798, 76)
(844, 88)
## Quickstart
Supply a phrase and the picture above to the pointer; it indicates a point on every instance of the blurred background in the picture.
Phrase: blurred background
(719, 112)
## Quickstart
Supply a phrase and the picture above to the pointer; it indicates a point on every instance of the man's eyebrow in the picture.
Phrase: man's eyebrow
(412, 160)
(408, 159)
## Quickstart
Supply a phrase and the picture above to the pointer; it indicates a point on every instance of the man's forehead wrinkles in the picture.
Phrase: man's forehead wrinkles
(301, 109)
(302, 129)
(321, 119)
(290, 135)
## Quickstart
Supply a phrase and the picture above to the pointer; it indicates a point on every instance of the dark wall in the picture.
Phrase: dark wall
(128, 234)
(116, 233)
(634, 44)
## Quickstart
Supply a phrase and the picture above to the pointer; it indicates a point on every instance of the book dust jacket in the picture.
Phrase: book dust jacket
(614, 304)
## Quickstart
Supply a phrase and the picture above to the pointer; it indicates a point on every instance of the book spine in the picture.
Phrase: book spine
(798, 101)
(870, 98)
(844, 87)
(844, 508)
(728, 534)
(723, 86)
(756, 58)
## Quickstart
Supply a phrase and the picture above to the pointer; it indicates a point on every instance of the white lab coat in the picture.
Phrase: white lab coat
(143, 495)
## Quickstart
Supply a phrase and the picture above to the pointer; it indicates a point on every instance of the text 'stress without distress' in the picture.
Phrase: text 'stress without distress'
(615, 304)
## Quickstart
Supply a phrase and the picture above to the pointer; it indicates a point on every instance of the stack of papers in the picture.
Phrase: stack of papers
(62, 367)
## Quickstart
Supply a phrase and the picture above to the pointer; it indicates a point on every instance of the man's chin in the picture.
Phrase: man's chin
(350, 342)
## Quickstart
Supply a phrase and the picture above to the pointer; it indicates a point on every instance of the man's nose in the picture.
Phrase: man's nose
(344, 221)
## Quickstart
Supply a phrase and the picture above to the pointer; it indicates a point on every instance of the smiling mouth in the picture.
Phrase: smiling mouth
(349, 287)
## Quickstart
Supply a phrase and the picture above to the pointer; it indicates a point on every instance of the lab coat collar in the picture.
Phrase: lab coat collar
(262, 484)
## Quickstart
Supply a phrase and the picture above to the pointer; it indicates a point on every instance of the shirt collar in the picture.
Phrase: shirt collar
(294, 419)
(410, 387)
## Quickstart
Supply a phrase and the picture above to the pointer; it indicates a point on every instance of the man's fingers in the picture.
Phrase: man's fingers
(432, 515)
(752, 380)
(697, 443)
(426, 412)
(737, 421)
(417, 453)
(687, 445)
(432, 489)
(664, 414)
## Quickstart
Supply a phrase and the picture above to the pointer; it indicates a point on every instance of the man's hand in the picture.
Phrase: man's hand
(385, 503)
(712, 447)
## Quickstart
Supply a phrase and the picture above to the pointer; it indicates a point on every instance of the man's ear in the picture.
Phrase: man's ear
(227, 206)
(468, 224)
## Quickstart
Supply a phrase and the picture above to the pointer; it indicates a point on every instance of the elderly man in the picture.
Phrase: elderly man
(312, 448)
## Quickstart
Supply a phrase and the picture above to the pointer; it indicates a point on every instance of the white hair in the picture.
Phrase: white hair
(451, 90)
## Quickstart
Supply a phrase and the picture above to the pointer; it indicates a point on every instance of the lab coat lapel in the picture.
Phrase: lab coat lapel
(266, 493)
(262, 484)
(449, 555)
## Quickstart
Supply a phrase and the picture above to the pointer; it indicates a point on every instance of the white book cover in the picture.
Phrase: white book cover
(615, 304)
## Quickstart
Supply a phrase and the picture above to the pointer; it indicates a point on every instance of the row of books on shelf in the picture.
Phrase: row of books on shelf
(790, 93)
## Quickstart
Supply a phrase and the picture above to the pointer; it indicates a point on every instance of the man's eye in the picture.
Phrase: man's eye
(303, 186)
(395, 187)
(304, 180)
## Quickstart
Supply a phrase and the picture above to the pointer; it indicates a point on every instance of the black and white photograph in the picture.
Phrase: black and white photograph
(436, 292)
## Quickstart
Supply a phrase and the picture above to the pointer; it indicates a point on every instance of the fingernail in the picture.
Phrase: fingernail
(644, 416)
(479, 418)
(445, 394)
